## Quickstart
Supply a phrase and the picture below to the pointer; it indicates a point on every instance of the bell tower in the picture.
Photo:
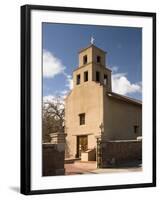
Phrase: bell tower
(92, 67)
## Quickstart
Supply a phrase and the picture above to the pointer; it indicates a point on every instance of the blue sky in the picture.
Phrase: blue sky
(61, 43)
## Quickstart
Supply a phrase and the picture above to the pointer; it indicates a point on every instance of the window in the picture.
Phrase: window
(82, 119)
(85, 76)
(98, 59)
(85, 59)
(78, 79)
(105, 79)
(135, 129)
(97, 76)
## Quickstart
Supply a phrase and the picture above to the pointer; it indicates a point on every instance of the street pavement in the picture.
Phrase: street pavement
(90, 167)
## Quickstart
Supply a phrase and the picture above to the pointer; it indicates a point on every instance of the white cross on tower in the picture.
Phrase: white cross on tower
(92, 39)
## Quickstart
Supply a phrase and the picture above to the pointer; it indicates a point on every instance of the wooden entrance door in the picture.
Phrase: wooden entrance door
(82, 144)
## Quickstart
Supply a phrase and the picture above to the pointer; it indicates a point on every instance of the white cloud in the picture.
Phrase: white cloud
(121, 85)
(51, 65)
(114, 69)
(55, 99)
(60, 95)
(69, 81)
(48, 98)
(64, 94)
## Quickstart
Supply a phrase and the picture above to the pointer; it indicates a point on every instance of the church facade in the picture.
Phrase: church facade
(92, 110)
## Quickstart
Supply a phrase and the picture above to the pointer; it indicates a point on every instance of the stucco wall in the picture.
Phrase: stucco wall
(87, 52)
(103, 71)
(86, 98)
(81, 71)
(119, 119)
(98, 52)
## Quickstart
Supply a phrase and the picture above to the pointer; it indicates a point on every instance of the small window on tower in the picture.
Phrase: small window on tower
(98, 59)
(78, 79)
(82, 119)
(85, 59)
(97, 76)
(105, 79)
(136, 129)
(85, 76)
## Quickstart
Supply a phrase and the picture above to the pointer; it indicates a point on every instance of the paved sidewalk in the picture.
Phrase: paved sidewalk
(90, 167)
(79, 167)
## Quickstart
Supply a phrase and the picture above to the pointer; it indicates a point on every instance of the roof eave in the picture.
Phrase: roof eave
(123, 98)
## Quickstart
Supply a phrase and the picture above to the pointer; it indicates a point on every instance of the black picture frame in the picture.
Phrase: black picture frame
(26, 98)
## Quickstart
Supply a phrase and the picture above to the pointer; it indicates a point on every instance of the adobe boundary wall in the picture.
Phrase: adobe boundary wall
(115, 153)
(53, 159)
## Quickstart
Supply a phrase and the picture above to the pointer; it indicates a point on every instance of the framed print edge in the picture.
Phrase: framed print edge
(154, 97)
(26, 99)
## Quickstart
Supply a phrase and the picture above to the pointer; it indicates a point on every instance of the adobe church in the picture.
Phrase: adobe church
(93, 111)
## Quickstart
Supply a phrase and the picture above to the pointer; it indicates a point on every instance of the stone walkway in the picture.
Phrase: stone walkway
(90, 167)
